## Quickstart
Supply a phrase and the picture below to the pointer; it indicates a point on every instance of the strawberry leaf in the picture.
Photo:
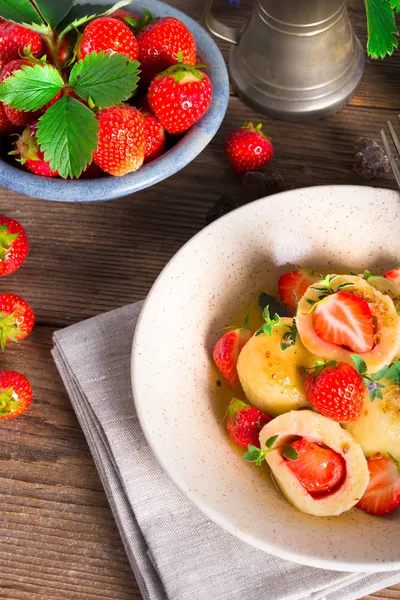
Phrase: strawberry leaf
(30, 88)
(105, 78)
(359, 364)
(382, 29)
(68, 135)
(254, 455)
(83, 13)
(19, 11)
(395, 4)
(53, 11)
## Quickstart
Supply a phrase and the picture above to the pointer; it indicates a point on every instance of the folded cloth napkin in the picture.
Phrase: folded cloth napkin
(176, 553)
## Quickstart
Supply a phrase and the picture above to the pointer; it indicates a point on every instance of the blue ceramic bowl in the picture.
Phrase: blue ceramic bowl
(184, 151)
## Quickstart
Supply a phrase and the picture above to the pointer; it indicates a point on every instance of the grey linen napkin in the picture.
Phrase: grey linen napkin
(176, 553)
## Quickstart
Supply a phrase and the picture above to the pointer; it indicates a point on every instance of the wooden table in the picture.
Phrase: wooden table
(58, 539)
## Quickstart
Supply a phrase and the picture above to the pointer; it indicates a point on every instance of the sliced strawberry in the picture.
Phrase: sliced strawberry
(318, 468)
(226, 353)
(345, 320)
(393, 275)
(383, 492)
(245, 422)
(295, 283)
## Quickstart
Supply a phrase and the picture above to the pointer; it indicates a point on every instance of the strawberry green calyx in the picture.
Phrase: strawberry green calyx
(235, 406)
(183, 70)
(8, 329)
(26, 147)
(248, 126)
(6, 239)
(320, 365)
(7, 402)
(138, 24)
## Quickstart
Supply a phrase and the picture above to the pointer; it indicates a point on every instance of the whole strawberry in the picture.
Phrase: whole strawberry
(337, 391)
(121, 143)
(14, 245)
(107, 35)
(244, 423)
(155, 137)
(21, 117)
(248, 149)
(15, 394)
(16, 319)
(179, 97)
(160, 42)
(14, 39)
(30, 155)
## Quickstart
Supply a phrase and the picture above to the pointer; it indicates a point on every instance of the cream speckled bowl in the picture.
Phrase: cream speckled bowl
(209, 279)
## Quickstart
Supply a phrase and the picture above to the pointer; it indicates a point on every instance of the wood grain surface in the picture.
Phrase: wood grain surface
(58, 539)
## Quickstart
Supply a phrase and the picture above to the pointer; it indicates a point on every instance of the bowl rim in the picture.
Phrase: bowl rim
(173, 161)
(304, 558)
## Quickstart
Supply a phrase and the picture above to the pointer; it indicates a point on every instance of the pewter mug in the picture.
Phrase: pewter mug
(296, 60)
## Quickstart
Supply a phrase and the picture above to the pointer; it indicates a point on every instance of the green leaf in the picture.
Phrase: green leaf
(395, 4)
(30, 88)
(271, 441)
(290, 453)
(83, 13)
(254, 455)
(380, 374)
(106, 78)
(382, 29)
(394, 372)
(269, 324)
(376, 394)
(359, 364)
(274, 304)
(19, 11)
(289, 338)
(53, 11)
(68, 136)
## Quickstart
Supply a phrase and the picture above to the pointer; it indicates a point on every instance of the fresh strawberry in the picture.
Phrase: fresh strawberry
(393, 275)
(122, 14)
(15, 39)
(248, 149)
(318, 468)
(179, 97)
(244, 423)
(30, 155)
(226, 353)
(21, 117)
(155, 138)
(382, 495)
(345, 320)
(160, 42)
(294, 284)
(107, 35)
(337, 391)
(122, 142)
(5, 124)
(14, 246)
(16, 319)
(15, 394)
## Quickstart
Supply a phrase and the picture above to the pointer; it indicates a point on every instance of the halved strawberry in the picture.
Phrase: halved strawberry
(393, 275)
(295, 283)
(382, 495)
(245, 422)
(345, 320)
(226, 353)
(318, 468)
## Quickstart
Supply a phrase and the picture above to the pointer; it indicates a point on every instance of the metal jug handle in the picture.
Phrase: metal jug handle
(220, 30)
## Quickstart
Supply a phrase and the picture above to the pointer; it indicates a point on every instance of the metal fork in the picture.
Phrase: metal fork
(391, 156)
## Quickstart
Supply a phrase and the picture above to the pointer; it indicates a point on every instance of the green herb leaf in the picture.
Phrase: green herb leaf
(289, 338)
(53, 11)
(290, 453)
(30, 88)
(382, 29)
(68, 135)
(254, 455)
(394, 372)
(377, 393)
(271, 441)
(359, 364)
(269, 324)
(106, 78)
(380, 374)
(19, 11)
